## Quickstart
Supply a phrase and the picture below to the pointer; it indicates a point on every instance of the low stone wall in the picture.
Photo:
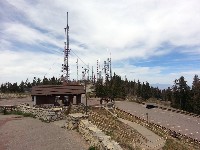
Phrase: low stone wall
(7, 108)
(72, 120)
(179, 111)
(48, 115)
(12, 95)
(91, 133)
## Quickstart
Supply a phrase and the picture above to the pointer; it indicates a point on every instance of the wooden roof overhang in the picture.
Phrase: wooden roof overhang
(57, 90)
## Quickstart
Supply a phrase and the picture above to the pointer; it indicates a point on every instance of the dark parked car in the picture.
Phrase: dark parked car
(149, 106)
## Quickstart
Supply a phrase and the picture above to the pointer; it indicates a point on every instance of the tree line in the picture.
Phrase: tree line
(118, 88)
(180, 94)
(27, 85)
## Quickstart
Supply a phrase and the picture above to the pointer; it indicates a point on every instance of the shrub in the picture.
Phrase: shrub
(18, 113)
(92, 148)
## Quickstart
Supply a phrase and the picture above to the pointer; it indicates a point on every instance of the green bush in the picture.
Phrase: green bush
(28, 115)
(18, 113)
(92, 148)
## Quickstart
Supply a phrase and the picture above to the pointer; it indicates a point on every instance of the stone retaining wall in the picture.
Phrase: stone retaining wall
(48, 115)
(12, 95)
(7, 108)
(91, 133)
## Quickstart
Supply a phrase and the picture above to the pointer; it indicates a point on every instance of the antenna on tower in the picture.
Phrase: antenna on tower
(88, 72)
(110, 67)
(66, 54)
(92, 75)
(97, 69)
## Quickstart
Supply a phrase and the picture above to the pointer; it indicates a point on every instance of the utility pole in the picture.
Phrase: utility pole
(92, 75)
(88, 72)
(84, 78)
(147, 117)
(110, 67)
(77, 69)
(86, 109)
(97, 69)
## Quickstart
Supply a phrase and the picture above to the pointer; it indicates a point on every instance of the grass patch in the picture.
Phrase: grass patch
(5, 112)
(172, 144)
(127, 137)
(92, 148)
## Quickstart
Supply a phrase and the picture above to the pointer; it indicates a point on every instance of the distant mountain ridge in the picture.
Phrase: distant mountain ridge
(161, 86)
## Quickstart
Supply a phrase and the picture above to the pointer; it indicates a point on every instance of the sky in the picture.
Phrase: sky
(156, 41)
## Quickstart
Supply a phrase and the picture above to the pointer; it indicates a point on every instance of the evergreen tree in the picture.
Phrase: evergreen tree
(117, 87)
(196, 94)
(34, 83)
(45, 81)
(169, 94)
(22, 87)
(181, 94)
(138, 89)
(38, 81)
(147, 91)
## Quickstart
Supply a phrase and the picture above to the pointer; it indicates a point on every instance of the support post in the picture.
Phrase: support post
(147, 117)
(86, 109)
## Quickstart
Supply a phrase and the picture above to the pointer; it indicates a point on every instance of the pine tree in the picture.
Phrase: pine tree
(22, 87)
(138, 89)
(45, 81)
(196, 94)
(181, 94)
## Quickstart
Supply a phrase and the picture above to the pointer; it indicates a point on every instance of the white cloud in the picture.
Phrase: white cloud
(24, 34)
(18, 66)
(130, 29)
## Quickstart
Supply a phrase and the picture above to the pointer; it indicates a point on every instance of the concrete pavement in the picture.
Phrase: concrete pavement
(153, 140)
(181, 123)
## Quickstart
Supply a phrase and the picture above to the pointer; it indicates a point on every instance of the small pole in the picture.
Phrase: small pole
(85, 98)
(85, 80)
(147, 117)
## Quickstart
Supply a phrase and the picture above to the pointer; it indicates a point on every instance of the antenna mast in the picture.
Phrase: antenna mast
(97, 69)
(110, 67)
(92, 75)
(77, 69)
(66, 53)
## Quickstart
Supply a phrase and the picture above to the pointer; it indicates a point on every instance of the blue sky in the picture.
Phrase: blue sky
(150, 40)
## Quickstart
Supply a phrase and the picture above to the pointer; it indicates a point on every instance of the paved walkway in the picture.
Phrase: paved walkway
(154, 141)
(181, 123)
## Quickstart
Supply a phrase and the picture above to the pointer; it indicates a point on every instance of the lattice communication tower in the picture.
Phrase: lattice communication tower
(65, 66)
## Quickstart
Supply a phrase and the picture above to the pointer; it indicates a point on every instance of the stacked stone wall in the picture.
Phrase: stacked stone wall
(48, 115)
(91, 132)
(120, 132)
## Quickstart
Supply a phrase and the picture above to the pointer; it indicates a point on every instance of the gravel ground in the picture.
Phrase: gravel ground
(17, 133)
(16, 101)
(32, 134)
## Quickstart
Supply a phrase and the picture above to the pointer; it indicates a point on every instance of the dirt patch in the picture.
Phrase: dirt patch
(5, 120)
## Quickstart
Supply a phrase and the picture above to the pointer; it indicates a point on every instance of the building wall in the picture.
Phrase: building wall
(41, 99)
(45, 100)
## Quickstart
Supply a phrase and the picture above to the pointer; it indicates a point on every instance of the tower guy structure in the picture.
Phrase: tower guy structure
(107, 69)
(65, 66)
